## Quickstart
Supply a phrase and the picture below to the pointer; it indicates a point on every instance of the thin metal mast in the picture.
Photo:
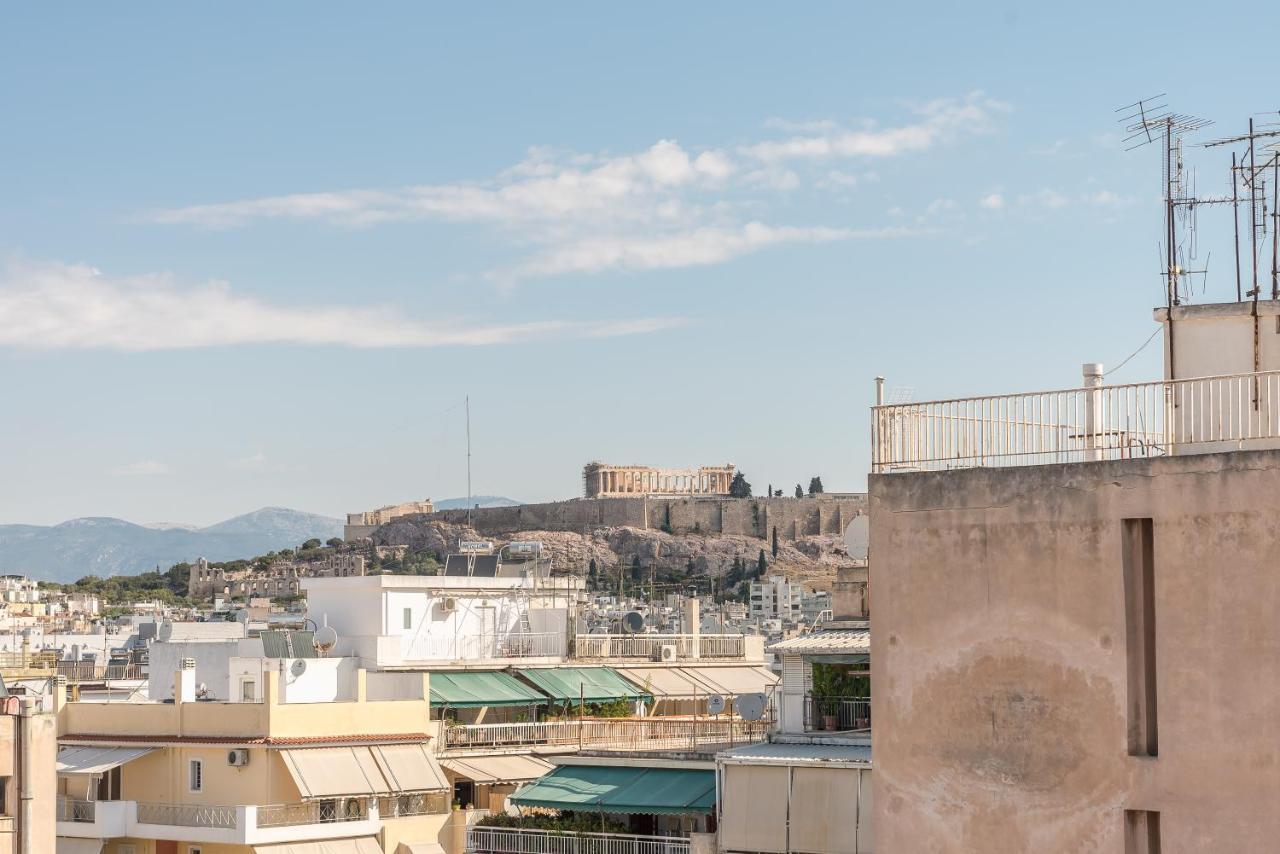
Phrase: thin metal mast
(467, 401)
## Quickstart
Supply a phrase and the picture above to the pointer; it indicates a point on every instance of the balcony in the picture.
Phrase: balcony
(516, 645)
(502, 840)
(837, 714)
(635, 734)
(230, 825)
(649, 647)
(1189, 416)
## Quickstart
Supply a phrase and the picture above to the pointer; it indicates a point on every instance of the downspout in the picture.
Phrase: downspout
(26, 810)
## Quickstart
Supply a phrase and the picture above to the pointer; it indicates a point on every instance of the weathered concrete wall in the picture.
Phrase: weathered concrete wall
(748, 517)
(999, 656)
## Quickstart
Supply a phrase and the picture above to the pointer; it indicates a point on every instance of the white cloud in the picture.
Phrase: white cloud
(1047, 199)
(938, 206)
(991, 201)
(937, 122)
(693, 248)
(253, 462)
(1107, 199)
(60, 306)
(142, 468)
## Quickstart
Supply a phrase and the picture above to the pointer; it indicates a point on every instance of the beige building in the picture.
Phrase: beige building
(363, 524)
(350, 771)
(601, 480)
(1075, 625)
(28, 742)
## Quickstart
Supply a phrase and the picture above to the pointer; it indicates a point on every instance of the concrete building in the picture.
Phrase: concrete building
(1075, 608)
(601, 480)
(362, 524)
(775, 598)
(28, 743)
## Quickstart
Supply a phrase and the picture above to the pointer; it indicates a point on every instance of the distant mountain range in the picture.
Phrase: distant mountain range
(105, 546)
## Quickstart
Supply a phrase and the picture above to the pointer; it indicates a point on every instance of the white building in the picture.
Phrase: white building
(775, 599)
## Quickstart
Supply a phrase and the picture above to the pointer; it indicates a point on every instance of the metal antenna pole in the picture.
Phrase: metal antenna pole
(467, 402)
(1235, 215)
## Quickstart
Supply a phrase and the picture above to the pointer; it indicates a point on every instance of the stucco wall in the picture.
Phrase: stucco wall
(999, 656)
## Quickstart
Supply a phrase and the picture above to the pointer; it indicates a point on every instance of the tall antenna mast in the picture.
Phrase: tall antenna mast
(467, 402)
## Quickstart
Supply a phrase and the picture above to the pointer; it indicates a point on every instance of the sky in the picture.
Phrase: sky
(259, 254)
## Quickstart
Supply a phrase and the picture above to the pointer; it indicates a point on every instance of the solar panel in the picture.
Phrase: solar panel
(486, 566)
(456, 565)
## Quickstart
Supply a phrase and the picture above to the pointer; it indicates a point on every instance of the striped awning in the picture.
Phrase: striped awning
(623, 789)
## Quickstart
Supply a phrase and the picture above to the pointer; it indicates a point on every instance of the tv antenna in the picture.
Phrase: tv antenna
(467, 402)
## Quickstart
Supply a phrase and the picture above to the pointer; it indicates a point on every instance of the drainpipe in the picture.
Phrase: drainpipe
(26, 764)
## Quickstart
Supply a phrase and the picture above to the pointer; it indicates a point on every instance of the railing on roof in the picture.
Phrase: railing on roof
(504, 840)
(1200, 415)
(649, 647)
(312, 812)
(618, 733)
(70, 809)
(478, 647)
(415, 803)
(837, 713)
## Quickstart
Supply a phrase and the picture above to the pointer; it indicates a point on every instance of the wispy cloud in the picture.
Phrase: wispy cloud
(142, 468)
(937, 122)
(991, 202)
(63, 306)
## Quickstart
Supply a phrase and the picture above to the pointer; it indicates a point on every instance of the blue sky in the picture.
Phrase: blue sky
(258, 255)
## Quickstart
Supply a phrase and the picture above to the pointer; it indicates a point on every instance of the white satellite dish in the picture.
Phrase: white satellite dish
(166, 632)
(299, 667)
(633, 622)
(751, 706)
(715, 704)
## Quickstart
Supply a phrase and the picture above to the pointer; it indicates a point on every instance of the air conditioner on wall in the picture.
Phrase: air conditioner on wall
(238, 758)
(448, 604)
(665, 652)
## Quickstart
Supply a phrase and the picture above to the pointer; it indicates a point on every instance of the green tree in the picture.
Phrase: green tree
(815, 486)
(761, 565)
(738, 487)
(775, 541)
(334, 542)
(799, 491)
(313, 543)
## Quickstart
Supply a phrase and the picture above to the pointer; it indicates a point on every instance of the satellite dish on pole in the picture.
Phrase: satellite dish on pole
(633, 622)
(324, 640)
(299, 667)
(715, 704)
(751, 706)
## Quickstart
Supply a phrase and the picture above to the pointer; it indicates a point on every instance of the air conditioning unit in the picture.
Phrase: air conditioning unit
(665, 652)
(238, 758)
(448, 604)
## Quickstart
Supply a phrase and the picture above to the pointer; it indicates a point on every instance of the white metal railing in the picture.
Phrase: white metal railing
(504, 840)
(416, 803)
(1200, 415)
(187, 815)
(649, 647)
(482, 646)
(70, 809)
(313, 812)
(620, 733)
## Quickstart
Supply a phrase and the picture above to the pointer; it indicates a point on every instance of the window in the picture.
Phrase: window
(408, 618)
(195, 775)
(247, 689)
(194, 849)
(1141, 832)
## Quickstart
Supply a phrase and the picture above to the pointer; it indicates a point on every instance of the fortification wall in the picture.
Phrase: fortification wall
(749, 517)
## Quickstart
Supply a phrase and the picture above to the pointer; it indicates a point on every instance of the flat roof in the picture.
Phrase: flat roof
(791, 753)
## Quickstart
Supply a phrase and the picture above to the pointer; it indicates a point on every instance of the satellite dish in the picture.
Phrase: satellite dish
(166, 632)
(324, 640)
(751, 706)
(299, 667)
(633, 622)
(715, 704)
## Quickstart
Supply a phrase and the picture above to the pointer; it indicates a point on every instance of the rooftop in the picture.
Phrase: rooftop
(826, 642)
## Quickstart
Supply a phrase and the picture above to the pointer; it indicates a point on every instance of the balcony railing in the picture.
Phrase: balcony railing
(649, 647)
(69, 809)
(316, 812)
(418, 803)
(480, 647)
(616, 733)
(187, 815)
(1201, 415)
(503, 840)
(837, 713)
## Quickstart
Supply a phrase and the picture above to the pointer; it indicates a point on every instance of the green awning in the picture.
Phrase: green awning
(593, 684)
(469, 689)
(622, 789)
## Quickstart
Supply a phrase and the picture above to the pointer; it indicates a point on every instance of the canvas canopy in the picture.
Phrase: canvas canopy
(593, 684)
(96, 760)
(512, 768)
(623, 789)
(359, 845)
(473, 689)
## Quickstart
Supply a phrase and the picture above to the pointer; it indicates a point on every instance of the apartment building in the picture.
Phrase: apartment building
(339, 767)
(775, 598)
(1075, 607)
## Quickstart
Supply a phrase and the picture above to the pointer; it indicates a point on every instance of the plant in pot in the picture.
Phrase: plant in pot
(828, 686)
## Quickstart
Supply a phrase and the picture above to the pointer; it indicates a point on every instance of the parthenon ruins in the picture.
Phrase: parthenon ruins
(601, 480)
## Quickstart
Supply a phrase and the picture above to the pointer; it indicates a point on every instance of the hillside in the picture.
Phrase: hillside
(106, 546)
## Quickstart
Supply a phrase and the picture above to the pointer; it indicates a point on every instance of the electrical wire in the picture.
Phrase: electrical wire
(1135, 352)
